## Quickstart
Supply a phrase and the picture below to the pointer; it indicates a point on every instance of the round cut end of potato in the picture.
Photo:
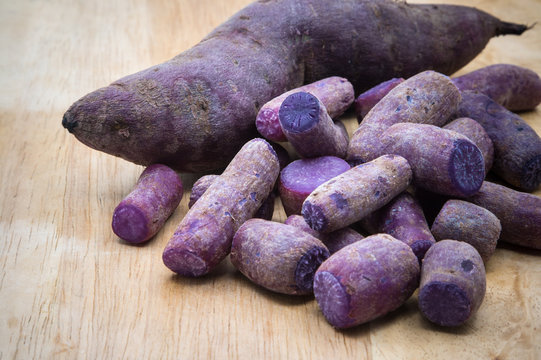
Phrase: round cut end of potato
(333, 299)
(531, 174)
(314, 216)
(299, 112)
(130, 223)
(184, 262)
(444, 304)
(467, 167)
(307, 267)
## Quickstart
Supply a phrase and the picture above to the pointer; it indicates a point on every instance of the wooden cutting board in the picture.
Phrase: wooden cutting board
(69, 288)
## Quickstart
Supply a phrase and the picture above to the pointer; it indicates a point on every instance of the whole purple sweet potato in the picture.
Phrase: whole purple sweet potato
(352, 195)
(309, 128)
(519, 213)
(366, 280)
(453, 283)
(464, 221)
(144, 211)
(403, 219)
(203, 238)
(195, 111)
(368, 99)
(334, 241)
(477, 134)
(277, 256)
(442, 161)
(426, 98)
(301, 177)
(517, 147)
(203, 183)
(335, 93)
(513, 87)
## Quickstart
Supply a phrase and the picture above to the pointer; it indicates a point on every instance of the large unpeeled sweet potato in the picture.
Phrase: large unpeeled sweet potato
(195, 111)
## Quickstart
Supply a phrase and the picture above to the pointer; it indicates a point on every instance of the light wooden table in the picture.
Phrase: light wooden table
(69, 288)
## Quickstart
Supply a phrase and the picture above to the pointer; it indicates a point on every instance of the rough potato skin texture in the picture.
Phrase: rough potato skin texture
(368, 99)
(203, 183)
(442, 161)
(335, 93)
(513, 87)
(277, 256)
(203, 238)
(142, 213)
(334, 241)
(519, 213)
(477, 134)
(426, 98)
(517, 147)
(195, 111)
(366, 280)
(403, 219)
(309, 128)
(301, 177)
(352, 195)
(463, 221)
(453, 283)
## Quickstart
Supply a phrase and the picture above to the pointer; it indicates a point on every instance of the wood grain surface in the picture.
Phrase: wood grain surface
(69, 288)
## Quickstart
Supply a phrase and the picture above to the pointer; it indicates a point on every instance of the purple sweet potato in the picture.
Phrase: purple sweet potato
(335, 93)
(464, 221)
(519, 213)
(301, 177)
(203, 183)
(442, 161)
(195, 111)
(142, 213)
(350, 196)
(366, 280)
(309, 128)
(513, 87)
(426, 98)
(368, 99)
(477, 134)
(517, 147)
(276, 256)
(203, 238)
(334, 241)
(403, 219)
(453, 283)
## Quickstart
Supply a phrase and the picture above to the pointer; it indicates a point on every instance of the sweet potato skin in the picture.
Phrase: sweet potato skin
(513, 87)
(366, 280)
(143, 212)
(464, 221)
(519, 213)
(196, 110)
(352, 195)
(334, 241)
(403, 219)
(368, 99)
(453, 283)
(517, 147)
(335, 93)
(203, 238)
(203, 183)
(277, 256)
(426, 98)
